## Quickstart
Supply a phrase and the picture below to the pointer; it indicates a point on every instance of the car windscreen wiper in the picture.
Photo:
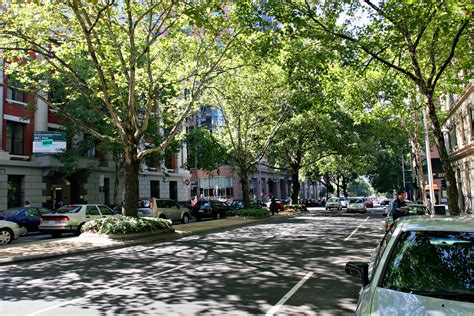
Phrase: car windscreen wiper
(455, 296)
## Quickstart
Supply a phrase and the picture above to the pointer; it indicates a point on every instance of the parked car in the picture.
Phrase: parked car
(10, 231)
(334, 202)
(163, 208)
(236, 205)
(369, 203)
(415, 209)
(206, 208)
(279, 205)
(344, 201)
(27, 216)
(356, 205)
(422, 266)
(71, 218)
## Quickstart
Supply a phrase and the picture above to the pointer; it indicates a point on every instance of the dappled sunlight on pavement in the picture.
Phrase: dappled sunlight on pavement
(241, 271)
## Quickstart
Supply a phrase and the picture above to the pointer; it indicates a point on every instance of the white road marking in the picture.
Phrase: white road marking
(95, 293)
(287, 296)
(349, 237)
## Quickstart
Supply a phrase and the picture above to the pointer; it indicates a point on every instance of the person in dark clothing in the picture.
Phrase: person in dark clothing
(273, 206)
(399, 206)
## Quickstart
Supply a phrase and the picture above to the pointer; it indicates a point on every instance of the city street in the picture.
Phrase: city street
(285, 265)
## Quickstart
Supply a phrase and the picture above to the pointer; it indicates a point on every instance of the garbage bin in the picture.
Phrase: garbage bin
(440, 210)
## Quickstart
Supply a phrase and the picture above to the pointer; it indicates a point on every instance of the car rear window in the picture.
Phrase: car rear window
(68, 209)
(333, 200)
(143, 203)
(355, 201)
(433, 263)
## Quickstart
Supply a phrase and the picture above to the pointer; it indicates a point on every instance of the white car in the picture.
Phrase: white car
(356, 205)
(9, 231)
(71, 218)
(334, 202)
(423, 266)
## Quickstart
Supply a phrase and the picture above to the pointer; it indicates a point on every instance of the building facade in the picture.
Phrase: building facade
(93, 178)
(459, 135)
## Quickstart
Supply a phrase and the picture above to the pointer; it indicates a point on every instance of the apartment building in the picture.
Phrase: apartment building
(40, 178)
(459, 135)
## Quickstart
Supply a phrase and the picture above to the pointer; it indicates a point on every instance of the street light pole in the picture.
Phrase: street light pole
(428, 162)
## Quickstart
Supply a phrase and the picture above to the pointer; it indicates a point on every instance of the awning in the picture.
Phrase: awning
(435, 187)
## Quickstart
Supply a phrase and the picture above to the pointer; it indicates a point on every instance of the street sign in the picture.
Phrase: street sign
(187, 182)
(49, 142)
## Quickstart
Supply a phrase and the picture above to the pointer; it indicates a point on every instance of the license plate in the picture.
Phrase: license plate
(53, 222)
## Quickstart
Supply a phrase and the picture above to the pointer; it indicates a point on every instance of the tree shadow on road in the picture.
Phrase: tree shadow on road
(241, 271)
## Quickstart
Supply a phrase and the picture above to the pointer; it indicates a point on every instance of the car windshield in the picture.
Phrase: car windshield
(433, 263)
(68, 209)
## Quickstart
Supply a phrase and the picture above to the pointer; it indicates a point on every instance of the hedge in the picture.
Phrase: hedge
(255, 212)
(126, 225)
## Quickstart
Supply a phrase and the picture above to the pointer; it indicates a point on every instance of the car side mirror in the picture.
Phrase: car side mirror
(359, 269)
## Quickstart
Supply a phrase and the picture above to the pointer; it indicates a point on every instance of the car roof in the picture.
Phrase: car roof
(437, 223)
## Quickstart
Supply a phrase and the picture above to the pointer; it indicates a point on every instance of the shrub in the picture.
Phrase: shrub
(126, 225)
(251, 212)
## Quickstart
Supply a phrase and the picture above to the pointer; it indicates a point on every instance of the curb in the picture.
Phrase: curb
(161, 237)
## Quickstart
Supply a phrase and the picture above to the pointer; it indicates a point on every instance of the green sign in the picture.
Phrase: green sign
(49, 142)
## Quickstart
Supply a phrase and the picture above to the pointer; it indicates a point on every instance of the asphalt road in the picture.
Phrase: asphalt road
(283, 266)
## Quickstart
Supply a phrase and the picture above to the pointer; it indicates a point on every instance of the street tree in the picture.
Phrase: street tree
(417, 39)
(139, 66)
(253, 104)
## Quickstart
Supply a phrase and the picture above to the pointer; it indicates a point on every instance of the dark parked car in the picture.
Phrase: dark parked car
(236, 205)
(206, 208)
(28, 216)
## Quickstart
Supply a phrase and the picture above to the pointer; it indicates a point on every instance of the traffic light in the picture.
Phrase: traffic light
(443, 183)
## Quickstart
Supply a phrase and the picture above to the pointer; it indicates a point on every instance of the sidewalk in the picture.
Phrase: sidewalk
(92, 242)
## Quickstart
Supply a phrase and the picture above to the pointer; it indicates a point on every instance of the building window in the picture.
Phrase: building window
(15, 138)
(174, 190)
(155, 189)
(472, 122)
(15, 94)
(453, 142)
(15, 191)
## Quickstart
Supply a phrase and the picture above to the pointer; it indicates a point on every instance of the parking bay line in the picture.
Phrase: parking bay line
(105, 291)
(349, 237)
(287, 296)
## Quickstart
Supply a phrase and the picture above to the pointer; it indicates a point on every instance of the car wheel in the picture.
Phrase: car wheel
(162, 216)
(56, 234)
(198, 218)
(185, 219)
(6, 236)
(25, 231)
(218, 216)
(79, 230)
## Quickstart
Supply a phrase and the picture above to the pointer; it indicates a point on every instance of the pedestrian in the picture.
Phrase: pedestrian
(27, 203)
(273, 206)
(399, 206)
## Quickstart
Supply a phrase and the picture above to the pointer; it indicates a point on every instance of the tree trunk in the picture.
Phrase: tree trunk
(344, 186)
(444, 157)
(295, 184)
(117, 176)
(244, 180)
(338, 187)
(130, 194)
(415, 144)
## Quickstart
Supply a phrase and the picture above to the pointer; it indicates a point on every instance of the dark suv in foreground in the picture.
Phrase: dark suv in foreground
(206, 208)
